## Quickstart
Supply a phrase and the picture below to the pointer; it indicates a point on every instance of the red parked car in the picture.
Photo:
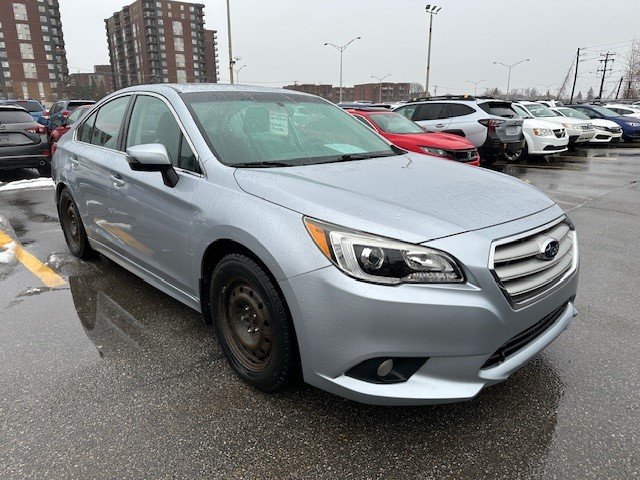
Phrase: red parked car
(62, 125)
(410, 136)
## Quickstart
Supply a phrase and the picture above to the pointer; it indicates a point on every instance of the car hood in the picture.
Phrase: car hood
(530, 123)
(601, 122)
(410, 197)
(445, 141)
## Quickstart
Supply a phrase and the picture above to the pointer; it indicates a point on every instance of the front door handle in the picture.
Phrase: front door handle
(440, 125)
(117, 180)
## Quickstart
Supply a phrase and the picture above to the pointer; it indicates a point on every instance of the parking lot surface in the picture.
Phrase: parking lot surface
(102, 376)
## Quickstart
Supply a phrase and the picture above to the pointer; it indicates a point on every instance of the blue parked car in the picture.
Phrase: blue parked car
(34, 107)
(630, 125)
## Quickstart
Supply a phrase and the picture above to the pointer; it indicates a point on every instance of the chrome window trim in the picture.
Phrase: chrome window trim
(175, 116)
(529, 233)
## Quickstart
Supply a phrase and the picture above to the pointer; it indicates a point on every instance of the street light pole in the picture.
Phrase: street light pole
(380, 79)
(231, 60)
(238, 70)
(475, 91)
(509, 67)
(431, 10)
(341, 49)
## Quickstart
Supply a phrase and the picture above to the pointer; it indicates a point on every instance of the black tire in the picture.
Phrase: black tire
(252, 324)
(516, 156)
(45, 170)
(72, 227)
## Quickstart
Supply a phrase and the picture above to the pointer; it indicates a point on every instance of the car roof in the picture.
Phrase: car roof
(369, 111)
(208, 87)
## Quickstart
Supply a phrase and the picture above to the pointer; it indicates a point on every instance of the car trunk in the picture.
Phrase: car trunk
(510, 128)
(16, 135)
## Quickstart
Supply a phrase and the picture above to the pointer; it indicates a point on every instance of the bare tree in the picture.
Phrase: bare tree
(632, 70)
(416, 87)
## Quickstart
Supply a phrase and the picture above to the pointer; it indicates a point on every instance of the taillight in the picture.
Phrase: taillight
(46, 153)
(66, 113)
(54, 147)
(491, 124)
(45, 115)
(38, 129)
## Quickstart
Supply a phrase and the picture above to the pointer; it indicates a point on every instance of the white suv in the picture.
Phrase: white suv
(495, 136)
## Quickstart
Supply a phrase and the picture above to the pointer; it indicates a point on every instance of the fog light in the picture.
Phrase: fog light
(386, 370)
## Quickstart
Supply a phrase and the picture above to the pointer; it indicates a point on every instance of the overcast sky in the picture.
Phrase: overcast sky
(281, 41)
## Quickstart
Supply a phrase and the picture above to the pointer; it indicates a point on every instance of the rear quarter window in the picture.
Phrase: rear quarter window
(460, 110)
(407, 111)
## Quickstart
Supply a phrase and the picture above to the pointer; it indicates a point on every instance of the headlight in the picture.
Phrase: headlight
(567, 125)
(542, 132)
(633, 124)
(436, 151)
(381, 260)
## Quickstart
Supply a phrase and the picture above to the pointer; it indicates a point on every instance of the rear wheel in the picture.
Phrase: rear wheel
(45, 170)
(252, 324)
(72, 227)
(516, 156)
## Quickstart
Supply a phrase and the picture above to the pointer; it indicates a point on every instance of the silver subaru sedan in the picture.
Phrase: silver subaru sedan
(314, 247)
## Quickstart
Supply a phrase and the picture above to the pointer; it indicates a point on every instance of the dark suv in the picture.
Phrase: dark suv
(469, 117)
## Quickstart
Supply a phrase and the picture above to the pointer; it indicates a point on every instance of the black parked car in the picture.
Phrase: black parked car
(23, 141)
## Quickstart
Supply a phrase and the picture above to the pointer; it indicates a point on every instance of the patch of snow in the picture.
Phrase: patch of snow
(8, 255)
(27, 184)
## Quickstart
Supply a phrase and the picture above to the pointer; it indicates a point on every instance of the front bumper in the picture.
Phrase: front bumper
(547, 145)
(341, 322)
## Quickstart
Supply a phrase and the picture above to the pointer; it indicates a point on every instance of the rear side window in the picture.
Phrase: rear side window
(108, 122)
(55, 108)
(15, 116)
(460, 110)
(432, 111)
(84, 130)
(153, 122)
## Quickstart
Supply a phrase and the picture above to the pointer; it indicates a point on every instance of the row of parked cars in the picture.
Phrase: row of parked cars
(28, 131)
(499, 128)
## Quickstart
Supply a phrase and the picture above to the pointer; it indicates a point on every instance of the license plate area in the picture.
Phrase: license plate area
(513, 130)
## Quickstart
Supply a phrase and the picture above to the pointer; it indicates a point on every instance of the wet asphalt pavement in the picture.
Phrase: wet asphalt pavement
(106, 377)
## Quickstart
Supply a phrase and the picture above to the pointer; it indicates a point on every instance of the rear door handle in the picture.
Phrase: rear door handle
(73, 160)
(117, 180)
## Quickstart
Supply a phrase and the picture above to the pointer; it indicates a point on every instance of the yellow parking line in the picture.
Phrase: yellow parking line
(50, 278)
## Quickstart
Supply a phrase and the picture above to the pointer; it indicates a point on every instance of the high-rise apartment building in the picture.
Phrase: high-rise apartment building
(33, 60)
(158, 41)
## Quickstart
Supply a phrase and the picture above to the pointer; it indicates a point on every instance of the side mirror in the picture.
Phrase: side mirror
(153, 157)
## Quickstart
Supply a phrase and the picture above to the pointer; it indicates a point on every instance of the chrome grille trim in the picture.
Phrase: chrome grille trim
(520, 274)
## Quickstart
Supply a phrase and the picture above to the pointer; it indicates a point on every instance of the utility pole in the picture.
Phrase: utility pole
(605, 70)
(475, 84)
(431, 10)
(231, 60)
(619, 87)
(575, 77)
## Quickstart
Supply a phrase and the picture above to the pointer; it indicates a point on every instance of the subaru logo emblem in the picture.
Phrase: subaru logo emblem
(549, 249)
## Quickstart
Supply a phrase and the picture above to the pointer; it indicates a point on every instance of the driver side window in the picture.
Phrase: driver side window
(153, 122)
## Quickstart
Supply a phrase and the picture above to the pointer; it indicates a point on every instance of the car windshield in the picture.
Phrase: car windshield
(28, 105)
(395, 123)
(605, 111)
(570, 112)
(538, 110)
(264, 129)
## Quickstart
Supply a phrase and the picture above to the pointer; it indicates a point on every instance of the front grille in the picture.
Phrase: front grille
(521, 268)
(559, 133)
(586, 127)
(464, 155)
(523, 338)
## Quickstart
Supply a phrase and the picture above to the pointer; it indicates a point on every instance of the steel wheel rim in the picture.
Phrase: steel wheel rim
(246, 324)
(72, 223)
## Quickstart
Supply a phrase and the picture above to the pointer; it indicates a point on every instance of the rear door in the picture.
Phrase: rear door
(463, 120)
(434, 116)
(89, 165)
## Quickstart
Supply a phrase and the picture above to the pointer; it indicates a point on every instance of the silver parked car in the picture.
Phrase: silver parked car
(313, 246)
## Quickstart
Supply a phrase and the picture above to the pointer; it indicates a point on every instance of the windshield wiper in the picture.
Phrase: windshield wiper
(364, 156)
(265, 164)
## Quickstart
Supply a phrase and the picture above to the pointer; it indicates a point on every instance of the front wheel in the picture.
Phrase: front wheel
(516, 156)
(45, 170)
(252, 324)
